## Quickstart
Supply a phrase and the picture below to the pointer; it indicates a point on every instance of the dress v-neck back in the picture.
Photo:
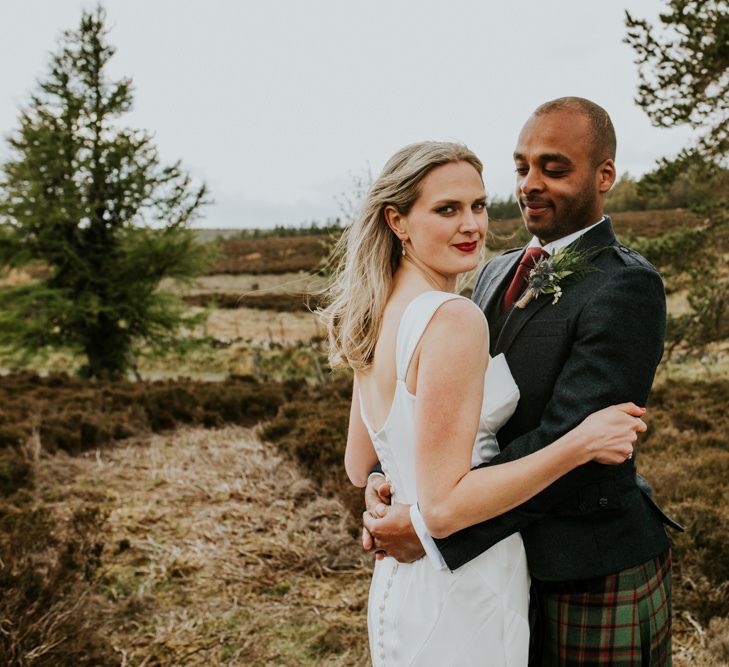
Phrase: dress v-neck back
(394, 441)
(410, 330)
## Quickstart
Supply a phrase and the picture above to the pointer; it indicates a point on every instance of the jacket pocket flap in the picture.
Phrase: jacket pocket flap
(545, 328)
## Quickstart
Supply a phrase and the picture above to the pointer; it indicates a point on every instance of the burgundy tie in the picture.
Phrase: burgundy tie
(520, 280)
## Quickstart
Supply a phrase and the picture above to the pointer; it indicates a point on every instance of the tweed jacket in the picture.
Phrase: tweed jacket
(599, 345)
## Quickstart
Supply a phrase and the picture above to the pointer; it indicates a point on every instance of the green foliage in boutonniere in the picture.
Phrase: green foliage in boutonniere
(550, 274)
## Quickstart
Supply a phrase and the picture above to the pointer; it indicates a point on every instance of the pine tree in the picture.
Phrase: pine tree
(90, 201)
(684, 79)
(684, 71)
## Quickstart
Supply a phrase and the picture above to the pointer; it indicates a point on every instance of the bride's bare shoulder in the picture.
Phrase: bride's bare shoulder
(459, 320)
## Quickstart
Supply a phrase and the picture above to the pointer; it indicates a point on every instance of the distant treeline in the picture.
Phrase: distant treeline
(695, 187)
(669, 186)
(313, 228)
(691, 183)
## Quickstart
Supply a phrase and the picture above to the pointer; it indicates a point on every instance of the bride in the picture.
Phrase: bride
(426, 404)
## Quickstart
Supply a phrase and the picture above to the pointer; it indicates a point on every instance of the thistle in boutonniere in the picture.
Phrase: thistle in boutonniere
(550, 274)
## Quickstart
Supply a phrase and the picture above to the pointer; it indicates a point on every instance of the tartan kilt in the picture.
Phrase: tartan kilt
(622, 619)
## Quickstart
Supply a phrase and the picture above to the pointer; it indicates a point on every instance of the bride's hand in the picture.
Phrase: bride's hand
(611, 433)
(377, 493)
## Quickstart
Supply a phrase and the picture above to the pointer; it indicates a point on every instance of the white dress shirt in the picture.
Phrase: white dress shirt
(554, 246)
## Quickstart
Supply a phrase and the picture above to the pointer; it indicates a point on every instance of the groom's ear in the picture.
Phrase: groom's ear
(396, 221)
(606, 176)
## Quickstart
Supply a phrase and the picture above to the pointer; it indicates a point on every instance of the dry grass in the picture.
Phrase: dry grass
(654, 223)
(694, 646)
(251, 284)
(276, 354)
(712, 365)
(277, 302)
(218, 552)
(12, 277)
(685, 455)
(264, 326)
(265, 361)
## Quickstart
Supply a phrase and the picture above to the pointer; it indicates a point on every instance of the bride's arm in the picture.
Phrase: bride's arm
(449, 391)
(359, 456)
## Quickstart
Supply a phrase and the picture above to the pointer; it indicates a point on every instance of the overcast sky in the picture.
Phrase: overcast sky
(275, 103)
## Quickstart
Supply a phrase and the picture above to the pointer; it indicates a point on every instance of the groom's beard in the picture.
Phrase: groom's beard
(563, 216)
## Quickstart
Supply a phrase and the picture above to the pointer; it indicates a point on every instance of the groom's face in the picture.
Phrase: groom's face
(557, 180)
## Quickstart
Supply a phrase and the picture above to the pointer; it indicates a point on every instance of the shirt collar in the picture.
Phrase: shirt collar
(554, 246)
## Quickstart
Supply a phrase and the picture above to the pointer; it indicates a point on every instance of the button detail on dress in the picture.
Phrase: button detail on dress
(385, 594)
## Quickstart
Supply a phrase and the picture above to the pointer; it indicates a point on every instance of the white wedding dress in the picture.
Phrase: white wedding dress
(418, 615)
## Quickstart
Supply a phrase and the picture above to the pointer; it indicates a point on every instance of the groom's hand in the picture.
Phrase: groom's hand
(392, 532)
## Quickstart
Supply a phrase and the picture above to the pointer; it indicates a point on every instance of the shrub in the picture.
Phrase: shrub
(47, 567)
(15, 473)
(271, 255)
(645, 225)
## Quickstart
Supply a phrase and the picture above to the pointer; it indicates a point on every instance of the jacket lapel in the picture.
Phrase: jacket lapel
(602, 235)
(493, 288)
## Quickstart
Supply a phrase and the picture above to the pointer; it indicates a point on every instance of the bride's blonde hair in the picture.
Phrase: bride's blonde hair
(369, 252)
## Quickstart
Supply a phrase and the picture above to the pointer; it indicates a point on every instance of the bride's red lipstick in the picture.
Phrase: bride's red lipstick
(466, 247)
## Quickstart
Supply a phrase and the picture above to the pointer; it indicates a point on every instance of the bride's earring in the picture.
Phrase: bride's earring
(403, 248)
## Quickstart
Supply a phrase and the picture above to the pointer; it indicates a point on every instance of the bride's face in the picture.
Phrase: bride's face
(446, 225)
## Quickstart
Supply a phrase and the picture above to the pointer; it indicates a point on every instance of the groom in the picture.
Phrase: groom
(597, 551)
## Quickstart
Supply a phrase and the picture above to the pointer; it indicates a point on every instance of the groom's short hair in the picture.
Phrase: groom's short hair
(602, 131)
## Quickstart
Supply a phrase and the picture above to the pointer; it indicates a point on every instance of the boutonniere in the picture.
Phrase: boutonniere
(550, 274)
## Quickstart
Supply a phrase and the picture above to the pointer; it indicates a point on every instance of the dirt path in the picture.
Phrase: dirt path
(217, 552)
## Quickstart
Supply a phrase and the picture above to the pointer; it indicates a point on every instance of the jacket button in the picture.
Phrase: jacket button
(603, 502)
(624, 249)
